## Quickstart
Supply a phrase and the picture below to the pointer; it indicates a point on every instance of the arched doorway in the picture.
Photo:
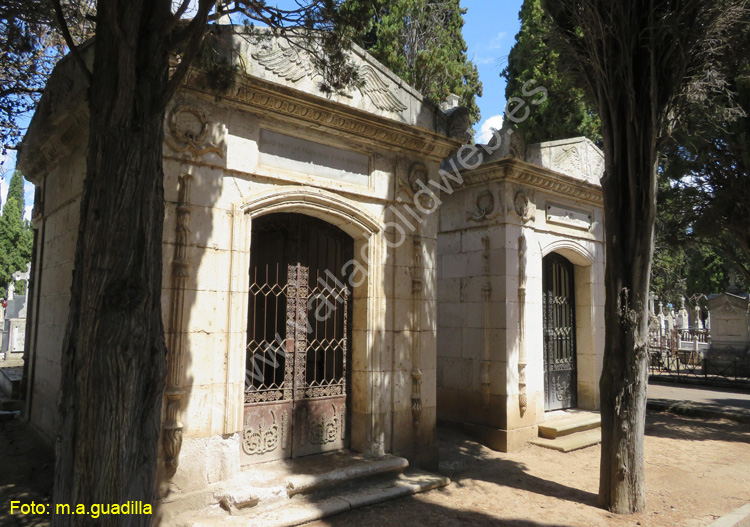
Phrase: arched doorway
(560, 361)
(298, 339)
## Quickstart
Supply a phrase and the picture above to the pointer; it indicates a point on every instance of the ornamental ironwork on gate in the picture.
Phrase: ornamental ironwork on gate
(560, 377)
(298, 339)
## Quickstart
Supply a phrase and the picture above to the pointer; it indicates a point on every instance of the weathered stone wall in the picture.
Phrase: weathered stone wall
(480, 270)
(229, 187)
(57, 227)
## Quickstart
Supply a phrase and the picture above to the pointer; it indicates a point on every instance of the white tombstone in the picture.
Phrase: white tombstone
(683, 319)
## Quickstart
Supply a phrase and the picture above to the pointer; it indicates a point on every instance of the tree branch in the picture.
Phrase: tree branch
(69, 39)
(193, 32)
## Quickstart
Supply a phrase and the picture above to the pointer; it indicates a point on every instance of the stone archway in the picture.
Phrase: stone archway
(585, 306)
(364, 271)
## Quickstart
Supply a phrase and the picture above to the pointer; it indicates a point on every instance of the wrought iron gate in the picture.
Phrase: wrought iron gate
(298, 339)
(560, 378)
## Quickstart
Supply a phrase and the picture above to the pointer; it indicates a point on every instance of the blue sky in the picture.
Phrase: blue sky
(489, 31)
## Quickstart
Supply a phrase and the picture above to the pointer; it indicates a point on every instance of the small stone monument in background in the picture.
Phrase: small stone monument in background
(730, 330)
(14, 319)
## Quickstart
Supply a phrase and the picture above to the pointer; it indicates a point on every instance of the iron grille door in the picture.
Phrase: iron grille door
(298, 335)
(560, 378)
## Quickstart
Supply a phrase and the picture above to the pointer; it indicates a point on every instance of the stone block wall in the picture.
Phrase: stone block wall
(57, 233)
(480, 301)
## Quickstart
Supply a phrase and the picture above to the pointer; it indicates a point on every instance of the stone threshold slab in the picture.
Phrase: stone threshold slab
(571, 442)
(569, 423)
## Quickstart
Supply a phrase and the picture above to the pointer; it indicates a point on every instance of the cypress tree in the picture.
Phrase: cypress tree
(422, 42)
(565, 113)
(15, 235)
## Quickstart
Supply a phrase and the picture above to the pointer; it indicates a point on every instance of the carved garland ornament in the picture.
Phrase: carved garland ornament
(486, 295)
(484, 208)
(416, 351)
(522, 360)
(188, 132)
(176, 350)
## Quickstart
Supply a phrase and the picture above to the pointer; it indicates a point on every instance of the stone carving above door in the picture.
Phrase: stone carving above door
(287, 62)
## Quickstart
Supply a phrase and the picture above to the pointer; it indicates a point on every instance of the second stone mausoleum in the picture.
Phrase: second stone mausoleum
(338, 274)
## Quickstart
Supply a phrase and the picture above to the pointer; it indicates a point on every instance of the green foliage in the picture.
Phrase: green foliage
(703, 219)
(15, 234)
(421, 41)
(565, 113)
(31, 46)
(709, 166)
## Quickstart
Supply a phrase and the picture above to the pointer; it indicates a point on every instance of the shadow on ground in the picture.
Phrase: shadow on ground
(670, 426)
(467, 459)
(26, 470)
(420, 514)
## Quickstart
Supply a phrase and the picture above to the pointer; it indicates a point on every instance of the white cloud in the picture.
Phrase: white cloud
(496, 43)
(488, 125)
(27, 212)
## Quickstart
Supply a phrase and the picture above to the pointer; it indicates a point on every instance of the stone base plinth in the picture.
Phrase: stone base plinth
(495, 438)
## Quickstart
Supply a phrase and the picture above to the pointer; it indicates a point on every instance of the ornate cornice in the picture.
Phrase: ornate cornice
(261, 97)
(514, 170)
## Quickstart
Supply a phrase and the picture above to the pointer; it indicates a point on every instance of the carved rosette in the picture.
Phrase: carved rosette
(486, 295)
(174, 391)
(522, 278)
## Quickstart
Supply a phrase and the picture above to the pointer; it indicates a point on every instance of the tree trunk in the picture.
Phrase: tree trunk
(629, 187)
(113, 362)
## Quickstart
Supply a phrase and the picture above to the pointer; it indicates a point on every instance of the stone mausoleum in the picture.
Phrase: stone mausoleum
(317, 298)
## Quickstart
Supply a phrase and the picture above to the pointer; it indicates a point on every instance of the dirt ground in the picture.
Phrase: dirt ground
(696, 471)
(26, 469)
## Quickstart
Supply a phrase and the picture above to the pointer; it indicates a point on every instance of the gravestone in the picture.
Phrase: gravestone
(14, 319)
(730, 332)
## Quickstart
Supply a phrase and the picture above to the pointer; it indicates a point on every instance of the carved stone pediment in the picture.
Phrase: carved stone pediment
(727, 303)
(289, 62)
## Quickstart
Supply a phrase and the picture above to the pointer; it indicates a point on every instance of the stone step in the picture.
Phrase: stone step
(571, 442)
(569, 423)
(303, 508)
(302, 483)
(273, 484)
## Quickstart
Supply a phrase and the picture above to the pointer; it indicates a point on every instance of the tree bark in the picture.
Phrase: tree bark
(113, 362)
(629, 187)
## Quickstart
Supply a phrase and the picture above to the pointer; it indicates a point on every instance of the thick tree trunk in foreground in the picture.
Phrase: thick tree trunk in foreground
(629, 212)
(114, 351)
